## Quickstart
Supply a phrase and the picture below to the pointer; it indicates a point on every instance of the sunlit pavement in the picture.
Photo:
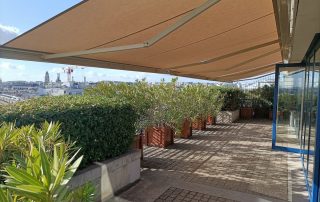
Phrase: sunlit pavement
(232, 162)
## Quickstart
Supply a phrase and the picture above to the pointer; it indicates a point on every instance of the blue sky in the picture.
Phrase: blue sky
(18, 16)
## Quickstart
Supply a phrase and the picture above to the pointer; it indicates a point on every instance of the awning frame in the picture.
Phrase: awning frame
(148, 43)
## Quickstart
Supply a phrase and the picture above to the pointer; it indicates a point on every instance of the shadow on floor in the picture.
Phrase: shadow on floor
(235, 157)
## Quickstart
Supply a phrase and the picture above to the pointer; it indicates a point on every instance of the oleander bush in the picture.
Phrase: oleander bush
(37, 164)
(103, 128)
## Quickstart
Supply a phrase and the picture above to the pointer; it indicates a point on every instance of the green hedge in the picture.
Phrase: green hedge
(232, 98)
(103, 128)
(260, 98)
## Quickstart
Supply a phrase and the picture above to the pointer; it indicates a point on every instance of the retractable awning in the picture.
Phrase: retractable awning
(216, 40)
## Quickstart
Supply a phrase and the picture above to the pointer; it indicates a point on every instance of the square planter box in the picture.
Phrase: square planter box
(186, 131)
(211, 120)
(246, 113)
(161, 136)
(226, 117)
(110, 176)
(199, 124)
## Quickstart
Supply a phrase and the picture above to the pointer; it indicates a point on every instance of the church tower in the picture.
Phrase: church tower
(46, 78)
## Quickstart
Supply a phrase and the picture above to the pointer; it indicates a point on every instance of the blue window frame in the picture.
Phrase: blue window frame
(296, 126)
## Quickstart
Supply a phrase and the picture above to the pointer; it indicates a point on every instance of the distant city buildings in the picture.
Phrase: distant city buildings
(26, 90)
(58, 87)
(21, 90)
(46, 78)
(58, 80)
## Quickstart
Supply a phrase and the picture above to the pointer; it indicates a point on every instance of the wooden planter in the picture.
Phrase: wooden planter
(138, 143)
(211, 120)
(199, 124)
(246, 113)
(186, 131)
(161, 136)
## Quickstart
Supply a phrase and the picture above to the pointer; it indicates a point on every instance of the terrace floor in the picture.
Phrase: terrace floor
(232, 162)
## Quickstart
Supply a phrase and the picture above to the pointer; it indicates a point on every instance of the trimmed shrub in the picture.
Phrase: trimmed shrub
(261, 100)
(139, 94)
(103, 128)
(164, 103)
(232, 98)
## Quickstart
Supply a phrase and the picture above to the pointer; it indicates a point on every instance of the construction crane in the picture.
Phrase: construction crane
(69, 70)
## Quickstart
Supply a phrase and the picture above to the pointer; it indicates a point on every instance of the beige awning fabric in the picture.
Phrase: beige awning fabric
(230, 40)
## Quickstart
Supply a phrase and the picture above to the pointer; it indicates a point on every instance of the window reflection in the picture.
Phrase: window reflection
(297, 109)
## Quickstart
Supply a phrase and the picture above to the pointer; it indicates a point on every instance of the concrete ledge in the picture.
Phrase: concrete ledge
(111, 175)
(228, 116)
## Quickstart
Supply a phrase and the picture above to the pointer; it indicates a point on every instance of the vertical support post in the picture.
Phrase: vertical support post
(316, 167)
(275, 107)
(141, 136)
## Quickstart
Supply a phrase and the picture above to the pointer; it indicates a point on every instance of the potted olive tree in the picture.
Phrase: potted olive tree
(215, 101)
(204, 101)
(160, 124)
(185, 110)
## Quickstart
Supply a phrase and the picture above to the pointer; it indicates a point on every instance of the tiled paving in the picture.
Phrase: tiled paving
(231, 161)
(183, 195)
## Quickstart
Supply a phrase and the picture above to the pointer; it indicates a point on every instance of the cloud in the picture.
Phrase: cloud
(133, 75)
(56, 70)
(7, 33)
(5, 66)
(11, 71)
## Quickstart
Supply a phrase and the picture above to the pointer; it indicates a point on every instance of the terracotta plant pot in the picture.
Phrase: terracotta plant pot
(186, 131)
(138, 143)
(161, 136)
(211, 120)
(199, 124)
(246, 113)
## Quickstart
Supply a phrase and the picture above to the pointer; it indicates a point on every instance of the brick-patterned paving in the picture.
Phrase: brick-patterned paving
(183, 195)
(235, 157)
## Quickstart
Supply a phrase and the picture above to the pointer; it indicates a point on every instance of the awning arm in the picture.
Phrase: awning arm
(248, 70)
(215, 59)
(188, 17)
(242, 63)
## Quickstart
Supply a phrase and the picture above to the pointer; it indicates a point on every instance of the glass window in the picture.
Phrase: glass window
(310, 110)
(317, 79)
(297, 109)
(291, 84)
